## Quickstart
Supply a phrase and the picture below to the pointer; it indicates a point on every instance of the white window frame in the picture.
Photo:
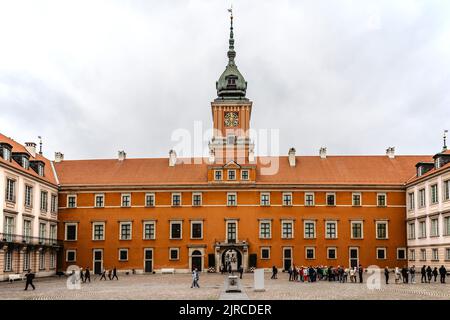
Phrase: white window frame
(261, 252)
(378, 249)
(326, 229)
(435, 254)
(290, 201)
(173, 194)
(446, 190)
(291, 222)
(313, 199)
(93, 230)
(385, 222)
(334, 199)
(125, 250)
(74, 251)
(422, 231)
(43, 204)
(270, 229)
(121, 223)
(411, 201)
(335, 252)
(66, 224)
(411, 227)
(351, 229)
(67, 200)
(447, 254)
(360, 199)
(261, 199)
(235, 199)
(181, 229)
(434, 232)
(221, 175)
(228, 174)
(314, 229)
(10, 195)
(102, 195)
(28, 201)
(405, 253)
(53, 205)
(422, 198)
(52, 260)
(412, 255)
(178, 254)
(196, 222)
(446, 226)
(150, 195)
(385, 199)
(423, 254)
(434, 196)
(242, 174)
(227, 222)
(8, 260)
(306, 253)
(201, 199)
(122, 195)
(154, 229)
(42, 262)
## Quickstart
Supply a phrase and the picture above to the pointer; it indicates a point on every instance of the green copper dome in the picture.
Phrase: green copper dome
(231, 84)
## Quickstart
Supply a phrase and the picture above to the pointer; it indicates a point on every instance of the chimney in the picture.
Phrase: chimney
(31, 148)
(390, 152)
(291, 155)
(172, 158)
(323, 153)
(212, 156)
(59, 157)
(122, 155)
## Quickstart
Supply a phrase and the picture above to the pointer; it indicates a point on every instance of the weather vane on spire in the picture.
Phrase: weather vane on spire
(445, 140)
(230, 10)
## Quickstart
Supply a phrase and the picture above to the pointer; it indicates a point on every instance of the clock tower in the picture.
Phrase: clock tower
(231, 112)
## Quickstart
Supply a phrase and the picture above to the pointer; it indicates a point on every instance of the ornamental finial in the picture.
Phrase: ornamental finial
(231, 52)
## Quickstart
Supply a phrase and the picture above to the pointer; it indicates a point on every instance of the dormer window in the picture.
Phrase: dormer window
(438, 163)
(419, 171)
(231, 82)
(25, 163)
(6, 153)
(41, 170)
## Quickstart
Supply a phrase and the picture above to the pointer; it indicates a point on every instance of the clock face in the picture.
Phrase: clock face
(231, 119)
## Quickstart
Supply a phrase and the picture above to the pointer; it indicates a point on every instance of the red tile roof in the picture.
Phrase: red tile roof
(312, 170)
(17, 147)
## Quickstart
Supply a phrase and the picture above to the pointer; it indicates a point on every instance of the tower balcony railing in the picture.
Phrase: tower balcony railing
(9, 238)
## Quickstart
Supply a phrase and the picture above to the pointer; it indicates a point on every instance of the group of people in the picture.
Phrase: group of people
(228, 268)
(408, 275)
(112, 273)
(86, 275)
(326, 273)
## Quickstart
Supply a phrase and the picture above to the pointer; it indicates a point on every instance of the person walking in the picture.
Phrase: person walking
(109, 274)
(398, 275)
(87, 275)
(29, 276)
(405, 274)
(241, 271)
(230, 269)
(274, 272)
(114, 273)
(412, 272)
(386, 274)
(429, 274)
(291, 273)
(294, 273)
(423, 272)
(435, 273)
(195, 279)
(222, 269)
(103, 276)
(81, 275)
(443, 273)
(360, 272)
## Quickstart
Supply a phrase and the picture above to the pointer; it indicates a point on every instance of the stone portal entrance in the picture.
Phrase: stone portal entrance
(234, 254)
(231, 257)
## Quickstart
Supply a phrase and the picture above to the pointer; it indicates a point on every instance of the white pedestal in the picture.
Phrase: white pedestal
(259, 280)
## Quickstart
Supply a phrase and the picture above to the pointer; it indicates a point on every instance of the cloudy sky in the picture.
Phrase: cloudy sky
(94, 77)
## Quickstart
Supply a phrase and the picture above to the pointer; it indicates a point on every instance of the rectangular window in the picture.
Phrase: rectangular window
(176, 199)
(309, 199)
(196, 230)
(231, 174)
(231, 232)
(287, 230)
(265, 199)
(27, 230)
(71, 201)
(196, 199)
(411, 201)
(381, 199)
(447, 254)
(150, 200)
(331, 199)
(310, 229)
(54, 203)
(8, 260)
(423, 254)
(381, 253)
(447, 226)
(53, 234)
(357, 230)
(434, 254)
(71, 231)
(125, 231)
(434, 232)
(411, 230)
(28, 196)
(331, 230)
(41, 170)
(123, 254)
(42, 232)
(71, 255)
(42, 260)
(412, 255)
(174, 254)
(44, 201)
(446, 187)
(10, 190)
(6, 154)
(356, 199)
(264, 230)
(52, 260)
(99, 200)
(149, 230)
(382, 229)
(126, 200)
(331, 253)
(422, 229)
(244, 175)
(9, 228)
(98, 231)
(422, 198)
(231, 199)
(310, 253)
(434, 194)
(175, 230)
(265, 253)
(401, 253)
(217, 174)
(26, 261)
(287, 199)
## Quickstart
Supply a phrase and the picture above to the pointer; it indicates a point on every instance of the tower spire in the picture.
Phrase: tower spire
(445, 141)
(231, 52)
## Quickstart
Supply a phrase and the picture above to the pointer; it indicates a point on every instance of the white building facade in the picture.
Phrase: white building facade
(428, 213)
(28, 219)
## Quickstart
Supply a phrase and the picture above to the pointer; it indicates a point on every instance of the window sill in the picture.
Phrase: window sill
(175, 238)
(71, 240)
(98, 207)
(146, 239)
(125, 239)
(197, 238)
(382, 238)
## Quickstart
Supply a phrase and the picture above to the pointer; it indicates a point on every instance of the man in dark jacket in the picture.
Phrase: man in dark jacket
(429, 273)
(386, 274)
(443, 273)
(30, 277)
(274, 272)
(423, 272)
(360, 271)
(241, 271)
(87, 275)
(114, 273)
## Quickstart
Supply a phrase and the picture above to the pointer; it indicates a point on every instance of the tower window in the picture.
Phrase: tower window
(231, 81)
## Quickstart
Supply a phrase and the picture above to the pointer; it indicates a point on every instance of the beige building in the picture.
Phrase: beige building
(28, 219)
(428, 213)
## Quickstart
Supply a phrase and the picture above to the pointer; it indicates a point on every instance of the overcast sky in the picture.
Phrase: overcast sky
(94, 77)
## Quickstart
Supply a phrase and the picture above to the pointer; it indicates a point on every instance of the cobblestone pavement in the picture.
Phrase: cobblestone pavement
(212, 287)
